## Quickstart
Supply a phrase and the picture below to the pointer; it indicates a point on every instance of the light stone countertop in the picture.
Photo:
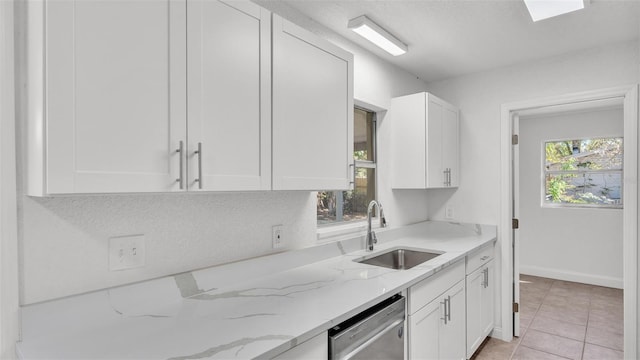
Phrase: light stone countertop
(257, 308)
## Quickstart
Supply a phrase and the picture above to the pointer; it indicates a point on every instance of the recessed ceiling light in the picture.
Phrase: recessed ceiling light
(544, 9)
(371, 31)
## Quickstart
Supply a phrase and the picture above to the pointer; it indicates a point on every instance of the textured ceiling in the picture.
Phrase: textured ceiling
(449, 38)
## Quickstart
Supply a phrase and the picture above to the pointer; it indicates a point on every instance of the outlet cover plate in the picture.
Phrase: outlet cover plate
(449, 212)
(126, 252)
(276, 236)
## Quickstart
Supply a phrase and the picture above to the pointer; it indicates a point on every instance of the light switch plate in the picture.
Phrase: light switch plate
(126, 252)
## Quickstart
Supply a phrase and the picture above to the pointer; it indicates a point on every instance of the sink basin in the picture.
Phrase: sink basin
(400, 259)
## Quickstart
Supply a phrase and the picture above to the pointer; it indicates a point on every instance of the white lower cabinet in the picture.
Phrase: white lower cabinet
(437, 329)
(480, 297)
(315, 348)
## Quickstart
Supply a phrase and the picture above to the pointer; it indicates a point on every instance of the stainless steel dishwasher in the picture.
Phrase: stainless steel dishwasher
(376, 333)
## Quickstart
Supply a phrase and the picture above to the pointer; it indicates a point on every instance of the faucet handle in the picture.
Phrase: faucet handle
(383, 220)
(374, 238)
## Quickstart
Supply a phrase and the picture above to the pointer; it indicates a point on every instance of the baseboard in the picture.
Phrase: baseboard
(497, 333)
(572, 276)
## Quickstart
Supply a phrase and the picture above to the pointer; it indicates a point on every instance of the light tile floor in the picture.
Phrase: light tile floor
(563, 320)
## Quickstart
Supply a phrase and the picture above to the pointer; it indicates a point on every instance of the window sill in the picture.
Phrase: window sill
(338, 232)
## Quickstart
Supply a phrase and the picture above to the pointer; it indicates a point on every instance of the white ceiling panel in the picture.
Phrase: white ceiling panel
(449, 38)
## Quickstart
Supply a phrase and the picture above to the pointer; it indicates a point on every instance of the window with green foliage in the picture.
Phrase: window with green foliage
(583, 173)
(344, 206)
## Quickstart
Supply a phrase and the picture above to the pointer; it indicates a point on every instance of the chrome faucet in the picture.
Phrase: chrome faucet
(371, 235)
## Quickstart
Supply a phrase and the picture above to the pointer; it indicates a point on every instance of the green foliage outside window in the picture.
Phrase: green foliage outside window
(584, 172)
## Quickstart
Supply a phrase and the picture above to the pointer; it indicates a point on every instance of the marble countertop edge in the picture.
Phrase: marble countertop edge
(333, 270)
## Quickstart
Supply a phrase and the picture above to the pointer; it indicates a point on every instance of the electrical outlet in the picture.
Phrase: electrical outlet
(276, 236)
(126, 252)
(448, 212)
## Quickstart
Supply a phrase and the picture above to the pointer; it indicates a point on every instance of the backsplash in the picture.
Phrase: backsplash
(65, 240)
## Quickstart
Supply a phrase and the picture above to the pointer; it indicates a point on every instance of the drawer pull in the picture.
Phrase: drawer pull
(484, 257)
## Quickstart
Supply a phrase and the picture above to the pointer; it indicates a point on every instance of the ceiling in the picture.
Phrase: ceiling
(449, 38)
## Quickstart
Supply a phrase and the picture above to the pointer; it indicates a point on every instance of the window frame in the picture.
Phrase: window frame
(543, 184)
(344, 230)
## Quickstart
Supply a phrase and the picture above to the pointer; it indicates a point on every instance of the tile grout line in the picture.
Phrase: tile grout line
(532, 319)
(590, 296)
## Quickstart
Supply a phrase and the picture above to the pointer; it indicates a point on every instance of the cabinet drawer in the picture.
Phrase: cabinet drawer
(478, 258)
(428, 289)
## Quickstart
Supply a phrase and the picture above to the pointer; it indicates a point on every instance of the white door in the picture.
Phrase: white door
(115, 92)
(312, 111)
(424, 331)
(453, 333)
(516, 214)
(228, 47)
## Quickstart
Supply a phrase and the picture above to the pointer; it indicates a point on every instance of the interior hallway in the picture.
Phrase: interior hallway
(563, 320)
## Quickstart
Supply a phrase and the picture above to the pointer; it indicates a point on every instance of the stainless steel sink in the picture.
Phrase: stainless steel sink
(399, 259)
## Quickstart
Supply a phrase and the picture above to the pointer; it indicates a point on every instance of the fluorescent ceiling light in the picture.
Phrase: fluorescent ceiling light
(544, 9)
(369, 30)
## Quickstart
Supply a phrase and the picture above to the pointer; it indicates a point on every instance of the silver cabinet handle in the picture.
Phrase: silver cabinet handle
(484, 278)
(484, 258)
(199, 153)
(447, 177)
(449, 307)
(486, 273)
(180, 152)
(445, 311)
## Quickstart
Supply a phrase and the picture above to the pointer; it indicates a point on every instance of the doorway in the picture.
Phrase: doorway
(627, 96)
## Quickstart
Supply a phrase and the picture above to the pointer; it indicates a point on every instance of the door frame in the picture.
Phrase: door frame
(9, 284)
(629, 94)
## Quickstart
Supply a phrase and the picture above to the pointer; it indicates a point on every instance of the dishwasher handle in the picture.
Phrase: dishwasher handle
(374, 338)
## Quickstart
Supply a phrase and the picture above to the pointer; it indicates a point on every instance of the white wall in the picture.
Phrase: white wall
(574, 244)
(64, 240)
(9, 315)
(480, 97)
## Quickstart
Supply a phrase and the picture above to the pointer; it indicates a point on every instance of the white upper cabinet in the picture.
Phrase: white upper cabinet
(425, 142)
(107, 107)
(312, 111)
(174, 95)
(228, 96)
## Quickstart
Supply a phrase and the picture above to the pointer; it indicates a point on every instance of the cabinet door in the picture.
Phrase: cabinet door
(312, 111)
(408, 120)
(450, 150)
(475, 290)
(435, 171)
(424, 331)
(228, 47)
(115, 95)
(487, 319)
(453, 333)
